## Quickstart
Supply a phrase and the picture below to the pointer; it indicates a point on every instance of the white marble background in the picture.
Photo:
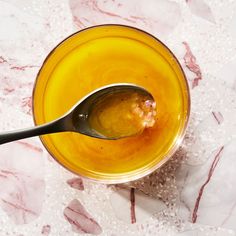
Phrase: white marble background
(194, 194)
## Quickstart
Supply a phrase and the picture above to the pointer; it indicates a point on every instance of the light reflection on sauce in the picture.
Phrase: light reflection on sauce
(123, 114)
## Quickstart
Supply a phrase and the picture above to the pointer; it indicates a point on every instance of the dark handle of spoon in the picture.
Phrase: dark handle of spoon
(52, 127)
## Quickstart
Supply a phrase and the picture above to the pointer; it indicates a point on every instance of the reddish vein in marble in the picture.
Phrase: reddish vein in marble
(218, 117)
(22, 68)
(3, 176)
(15, 67)
(76, 183)
(80, 220)
(8, 90)
(78, 22)
(27, 103)
(110, 14)
(2, 60)
(200, 193)
(181, 190)
(30, 146)
(46, 229)
(97, 8)
(191, 63)
(76, 224)
(142, 19)
(229, 215)
(8, 172)
(132, 206)
(18, 207)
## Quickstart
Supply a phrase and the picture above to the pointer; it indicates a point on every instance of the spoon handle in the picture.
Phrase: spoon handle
(52, 127)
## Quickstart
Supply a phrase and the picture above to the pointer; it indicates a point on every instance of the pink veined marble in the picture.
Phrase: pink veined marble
(132, 206)
(207, 203)
(156, 16)
(191, 64)
(201, 9)
(80, 220)
(218, 116)
(76, 183)
(46, 229)
(22, 184)
(191, 195)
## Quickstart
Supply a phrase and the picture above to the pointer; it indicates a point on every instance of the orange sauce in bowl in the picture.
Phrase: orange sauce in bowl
(96, 57)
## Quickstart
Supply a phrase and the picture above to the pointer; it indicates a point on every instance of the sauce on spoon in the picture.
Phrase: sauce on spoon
(123, 114)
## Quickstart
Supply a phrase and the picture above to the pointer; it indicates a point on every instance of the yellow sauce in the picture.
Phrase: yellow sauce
(97, 57)
(122, 114)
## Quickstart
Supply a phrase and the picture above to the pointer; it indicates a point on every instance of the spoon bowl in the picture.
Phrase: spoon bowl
(81, 112)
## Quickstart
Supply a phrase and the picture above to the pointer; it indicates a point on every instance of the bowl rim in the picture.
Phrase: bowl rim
(169, 154)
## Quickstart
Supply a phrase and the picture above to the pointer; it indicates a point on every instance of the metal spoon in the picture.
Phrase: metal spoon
(76, 120)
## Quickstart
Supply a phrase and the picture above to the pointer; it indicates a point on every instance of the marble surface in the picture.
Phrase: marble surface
(194, 194)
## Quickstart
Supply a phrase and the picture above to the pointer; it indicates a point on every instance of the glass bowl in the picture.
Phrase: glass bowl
(102, 55)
